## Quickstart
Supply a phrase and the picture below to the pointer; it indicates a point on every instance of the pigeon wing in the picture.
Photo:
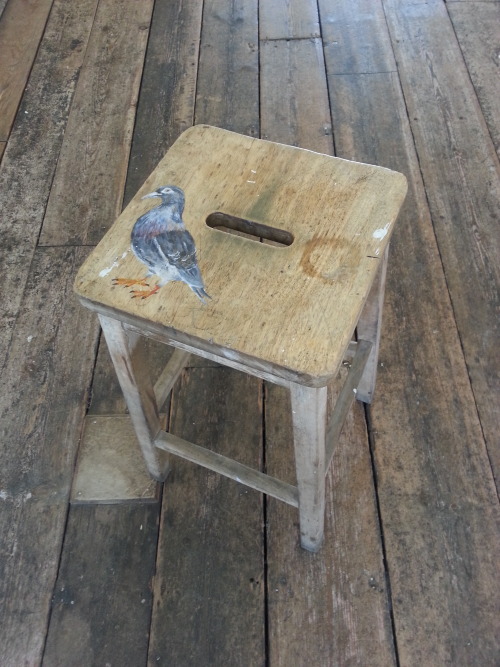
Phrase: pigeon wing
(179, 250)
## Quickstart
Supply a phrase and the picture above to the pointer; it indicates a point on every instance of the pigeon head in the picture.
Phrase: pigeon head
(169, 194)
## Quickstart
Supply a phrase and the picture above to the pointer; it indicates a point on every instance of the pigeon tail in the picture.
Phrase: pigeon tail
(200, 293)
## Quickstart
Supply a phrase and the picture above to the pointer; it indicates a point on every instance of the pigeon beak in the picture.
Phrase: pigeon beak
(151, 195)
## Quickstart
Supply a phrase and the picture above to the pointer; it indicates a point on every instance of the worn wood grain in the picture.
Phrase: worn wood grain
(137, 386)
(21, 29)
(209, 586)
(355, 37)
(29, 160)
(319, 283)
(436, 495)
(99, 131)
(167, 95)
(309, 440)
(369, 328)
(477, 26)
(227, 92)
(102, 601)
(288, 19)
(294, 97)
(462, 178)
(45, 386)
(330, 608)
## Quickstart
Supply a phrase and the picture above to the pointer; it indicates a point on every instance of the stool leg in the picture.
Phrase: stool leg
(369, 328)
(137, 391)
(309, 432)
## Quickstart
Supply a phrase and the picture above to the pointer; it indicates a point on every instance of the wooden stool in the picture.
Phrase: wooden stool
(284, 309)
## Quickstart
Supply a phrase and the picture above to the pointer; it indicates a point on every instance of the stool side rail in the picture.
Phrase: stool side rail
(228, 467)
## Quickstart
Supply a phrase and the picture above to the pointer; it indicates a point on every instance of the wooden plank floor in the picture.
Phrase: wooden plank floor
(202, 571)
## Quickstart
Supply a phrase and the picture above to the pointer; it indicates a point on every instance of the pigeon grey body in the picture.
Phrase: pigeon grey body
(161, 241)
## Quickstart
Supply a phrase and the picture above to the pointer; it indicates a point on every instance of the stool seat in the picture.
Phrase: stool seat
(287, 291)
(290, 309)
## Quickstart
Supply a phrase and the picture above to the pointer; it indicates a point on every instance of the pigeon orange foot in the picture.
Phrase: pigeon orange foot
(129, 282)
(143, 294)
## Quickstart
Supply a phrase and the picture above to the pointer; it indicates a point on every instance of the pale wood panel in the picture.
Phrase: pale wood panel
(355, 37)
(45, 385)
(29, 160)
(462, 179)
(331, 608)
(97, 140)
(110, 466)
(288, 19)
(209, 586)
(293, 97)
(434, 483)
(102, 600)
(227, 89)
(21, 29)
(320, 282)
(477, 25)
(166, 102)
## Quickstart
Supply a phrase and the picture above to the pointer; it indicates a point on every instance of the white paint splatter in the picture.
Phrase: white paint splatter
(382, 232)
(107, 270)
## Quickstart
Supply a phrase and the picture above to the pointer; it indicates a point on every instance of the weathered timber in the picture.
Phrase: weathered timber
(209, 587)
(288, 19)
(42, 405)
(477, 26)
(355, 37)
(166, 101)
(461, 173)
(30, 158)
(169, 375)
(101, 608)
(227, 467)
(369, 328)
(293, 97)
(309, 438)
(21, 29)
(128, 360)
(97, 140)
(436, 494)
(227, 91)
(345, 399)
